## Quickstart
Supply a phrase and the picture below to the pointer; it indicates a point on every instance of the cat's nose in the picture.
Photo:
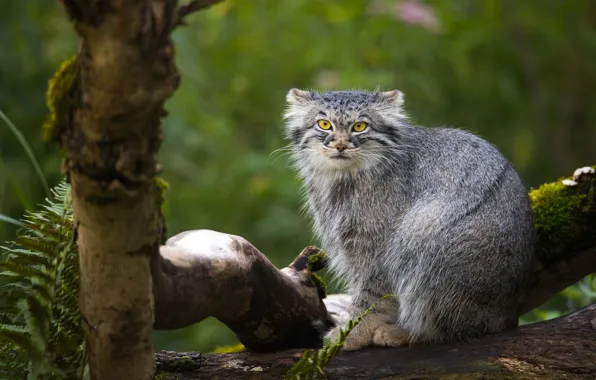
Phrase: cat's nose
(341, 147)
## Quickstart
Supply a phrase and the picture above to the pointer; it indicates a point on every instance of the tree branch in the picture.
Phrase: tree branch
(565, 221)
(206, 273)
(564, 348)
(191, 7)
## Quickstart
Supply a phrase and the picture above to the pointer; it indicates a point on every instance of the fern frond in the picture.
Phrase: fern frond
(38, 245)
(19, 335)
(13, 361)
(32, 289)
(42, 325)
(51, 223)
(312, 362)
(17, 271)
(27, 257)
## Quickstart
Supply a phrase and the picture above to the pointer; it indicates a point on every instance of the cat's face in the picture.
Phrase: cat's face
(343, 130)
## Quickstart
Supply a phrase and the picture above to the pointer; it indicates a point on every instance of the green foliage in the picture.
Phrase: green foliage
(27, 148)
(40, 325)
(311, 365)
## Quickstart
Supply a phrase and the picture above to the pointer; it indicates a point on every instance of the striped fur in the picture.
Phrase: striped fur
(435, 215)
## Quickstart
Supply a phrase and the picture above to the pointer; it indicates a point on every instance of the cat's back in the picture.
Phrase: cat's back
(449, 161)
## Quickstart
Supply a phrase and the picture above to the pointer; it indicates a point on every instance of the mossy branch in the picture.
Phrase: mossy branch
(565, 221)
(564, 348)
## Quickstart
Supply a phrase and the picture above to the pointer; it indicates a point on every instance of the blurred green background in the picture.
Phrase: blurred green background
(520, 73)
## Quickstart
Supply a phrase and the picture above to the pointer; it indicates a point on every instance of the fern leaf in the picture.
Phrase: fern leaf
(37, 315)
(51, 225)
(18, 271)
(27, 257)
(19, 335)
(13, 361)
(38, 245)
(41, 323)
(18, 290)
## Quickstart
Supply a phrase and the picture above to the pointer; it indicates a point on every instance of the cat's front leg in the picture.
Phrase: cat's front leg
(376, 328)
(390, 335)
(360, 336)
(373, 330)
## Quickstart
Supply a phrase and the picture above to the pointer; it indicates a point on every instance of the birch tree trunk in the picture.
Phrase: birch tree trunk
(108, 125)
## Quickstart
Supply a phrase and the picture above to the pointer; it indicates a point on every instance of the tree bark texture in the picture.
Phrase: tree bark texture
(110, 133)
(206, 273)
(564, 348)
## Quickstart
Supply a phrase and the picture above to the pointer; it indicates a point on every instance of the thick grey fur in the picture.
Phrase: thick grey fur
(435, 215)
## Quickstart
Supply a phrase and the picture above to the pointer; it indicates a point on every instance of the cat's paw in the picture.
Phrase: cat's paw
(390, 335)
(580, 175)
(356, 340)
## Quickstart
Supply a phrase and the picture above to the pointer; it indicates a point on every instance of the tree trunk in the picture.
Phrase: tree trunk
(564, 348)
(108, 125)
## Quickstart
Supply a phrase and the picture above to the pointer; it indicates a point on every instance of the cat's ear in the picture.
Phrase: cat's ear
(394, 98)
(392, 104)
(299, 97)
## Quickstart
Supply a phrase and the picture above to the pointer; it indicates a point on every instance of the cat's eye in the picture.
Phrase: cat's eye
(324, 124)
(359, 126)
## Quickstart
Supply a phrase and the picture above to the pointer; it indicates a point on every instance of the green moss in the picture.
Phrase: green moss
(58, 99)
(162, 375)
(162, 188)
(560, 214)
(319, 284)
(185, 363)
(316, 261)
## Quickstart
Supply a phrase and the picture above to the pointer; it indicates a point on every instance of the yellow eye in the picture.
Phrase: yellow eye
(359, 126)
(324, 124)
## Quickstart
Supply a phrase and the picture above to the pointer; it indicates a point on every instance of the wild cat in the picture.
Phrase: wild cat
(436, 216)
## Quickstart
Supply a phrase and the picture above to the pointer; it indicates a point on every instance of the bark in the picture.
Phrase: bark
(206, 273)
(564, 348)
(110, 133)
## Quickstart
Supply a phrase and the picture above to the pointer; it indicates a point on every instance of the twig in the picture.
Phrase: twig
(193, 6)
